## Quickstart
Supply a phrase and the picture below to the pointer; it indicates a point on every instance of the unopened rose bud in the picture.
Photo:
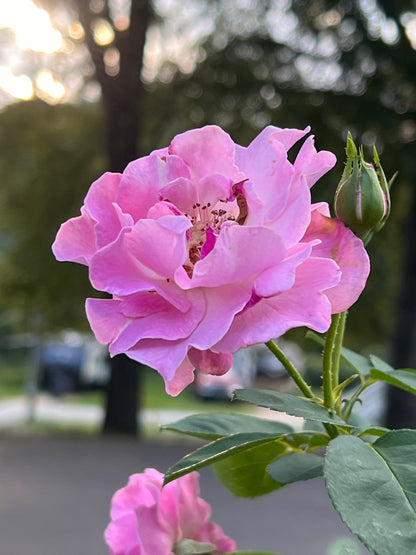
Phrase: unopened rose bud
(362, 199)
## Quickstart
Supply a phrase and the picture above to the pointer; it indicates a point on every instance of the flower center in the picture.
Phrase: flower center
(207, 221)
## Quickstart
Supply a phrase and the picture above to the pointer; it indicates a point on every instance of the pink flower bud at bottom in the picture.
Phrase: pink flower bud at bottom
(149, 519)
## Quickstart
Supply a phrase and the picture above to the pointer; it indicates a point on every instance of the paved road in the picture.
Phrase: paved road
(55, 495)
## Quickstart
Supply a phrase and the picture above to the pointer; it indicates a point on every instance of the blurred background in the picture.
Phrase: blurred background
(87, 86)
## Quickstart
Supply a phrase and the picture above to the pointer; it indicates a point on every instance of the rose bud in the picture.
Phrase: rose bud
(362, 199)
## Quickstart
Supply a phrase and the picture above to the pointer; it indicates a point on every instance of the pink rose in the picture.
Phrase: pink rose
(207, 247)
(147, 519)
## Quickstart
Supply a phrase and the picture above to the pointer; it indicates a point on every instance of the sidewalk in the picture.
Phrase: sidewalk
(20, 410)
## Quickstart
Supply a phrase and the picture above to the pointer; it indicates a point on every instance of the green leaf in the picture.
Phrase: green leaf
(374, 489)
(398, 448)
(381, 364)
(313, 426)
(212, 426)
(353, 359)
(374, 431)
(217, 450)
(244, 474)
(296, 467)
(405, 379)
(318, 441)
(307, 440)
(356, 361)
(358, 420)
(290, 404)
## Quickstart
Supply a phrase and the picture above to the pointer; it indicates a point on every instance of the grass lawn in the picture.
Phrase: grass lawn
(13, 378)
(153, 396)
(14, 375)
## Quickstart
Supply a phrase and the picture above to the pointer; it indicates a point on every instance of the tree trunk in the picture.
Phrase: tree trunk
(121, 95)
(122, 397)
(401, 408)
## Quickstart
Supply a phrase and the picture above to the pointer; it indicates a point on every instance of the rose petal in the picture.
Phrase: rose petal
(159, 320)
(270, 175)
(221, 306)
(281, 277)
(151, 251)
(209, 362)
(183, 376)
(292, 222)
(182, 193)
(122, 537)
(312, 164)
(163, 355)
(239, 252)
(192, 511)
(287, 137)
(143, 488)
(105, 318)
(100, 203)
(154, 537)
(340, 244)
(305, 304)
(155, 519)
(206, 151)
(75, 240)
(211, 188)
(160, 244)
(140, 184)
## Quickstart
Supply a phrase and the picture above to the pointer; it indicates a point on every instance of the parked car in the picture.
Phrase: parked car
(73, 362)
(270, 367)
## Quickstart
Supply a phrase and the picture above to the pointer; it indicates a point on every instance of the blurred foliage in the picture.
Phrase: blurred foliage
(49, 157)
(335, 65)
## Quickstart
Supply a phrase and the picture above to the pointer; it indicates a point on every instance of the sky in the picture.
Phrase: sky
(33, 31)
(36, 59)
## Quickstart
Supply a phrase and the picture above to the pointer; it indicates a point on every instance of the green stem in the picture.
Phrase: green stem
(331, 429)
(327, 377)
(291, 369)
(337, 348)
(350, 405)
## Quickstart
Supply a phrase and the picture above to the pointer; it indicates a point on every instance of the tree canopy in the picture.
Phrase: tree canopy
(49, 157)
(337, 65)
